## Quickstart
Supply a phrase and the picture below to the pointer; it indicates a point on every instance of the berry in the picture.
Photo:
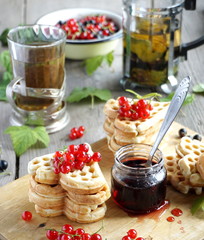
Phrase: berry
(140, 238)
(182, 132)
(64, 168)
(73, 149)
(142, 103)
(3, 165)
(80, 134)
(68, 228)
(81, 128)
(73, 135)
(79, 231)
(52, 234)
(132, 233)
(197, 137)
(126, 237)
(81, 156)
(83, 147)
(122, 101)
(96, 236)
(96, 157)
(86, 236)
(66, 237)
(79, 165)
(26, 216)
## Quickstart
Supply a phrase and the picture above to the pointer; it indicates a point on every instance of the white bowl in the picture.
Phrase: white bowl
(83, 49)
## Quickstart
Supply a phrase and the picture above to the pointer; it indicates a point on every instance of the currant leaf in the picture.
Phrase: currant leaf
(199, 88)
(197, 204)
(23, 137)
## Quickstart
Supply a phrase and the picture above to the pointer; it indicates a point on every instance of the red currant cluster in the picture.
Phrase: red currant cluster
(76, 132)
(74, 157)
(68, 233)
(90, 27)
(136, 110)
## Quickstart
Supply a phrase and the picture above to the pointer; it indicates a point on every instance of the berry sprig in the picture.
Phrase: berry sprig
(76, 132)
(74, 158)
(135, 110)
(69, 233)
(132, 235)
(90, 27)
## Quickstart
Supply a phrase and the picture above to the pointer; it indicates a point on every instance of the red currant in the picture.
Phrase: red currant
(96, 157)
(142, 103)
(56, 170)
(76, 238)
(52, 234)
(86, 236)
(79, 231)
(132, 233)
(122, 101)
(96, 236)
(26, 216)
(126, 237)
(82, 156)
(74, 130)
(73, 135)
(80, 134)
(68, 228)
(66, 237)
(64, 168)
(134, 115)
(68, 157)
(140, 238)
(73, 149)
(79, 165)
(81, 128)
(83, 147)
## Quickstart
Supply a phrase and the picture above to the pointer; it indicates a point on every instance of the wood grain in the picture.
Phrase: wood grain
(14, 200)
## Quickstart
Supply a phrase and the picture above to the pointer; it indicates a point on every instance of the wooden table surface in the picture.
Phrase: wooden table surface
(15, 12)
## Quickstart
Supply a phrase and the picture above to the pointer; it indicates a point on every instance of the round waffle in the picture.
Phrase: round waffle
(49, 212)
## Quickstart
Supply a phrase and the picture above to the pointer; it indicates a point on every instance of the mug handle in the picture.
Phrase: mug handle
(10, 90)
(191, 45)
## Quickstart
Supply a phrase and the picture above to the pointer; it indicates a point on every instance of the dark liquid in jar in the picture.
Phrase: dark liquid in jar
(142, 196)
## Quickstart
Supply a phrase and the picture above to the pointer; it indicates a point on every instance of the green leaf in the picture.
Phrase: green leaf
(197, 204)
(109, 58)
(23, 137)
(189, 98)
(3, 37)
(199, 88)
(81, 93)
(42, 135)
(91, 64)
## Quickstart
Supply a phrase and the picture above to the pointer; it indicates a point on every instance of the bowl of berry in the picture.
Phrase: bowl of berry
(90, 32)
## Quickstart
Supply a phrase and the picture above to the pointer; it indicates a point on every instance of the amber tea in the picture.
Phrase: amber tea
(146, 52)
(44, 68)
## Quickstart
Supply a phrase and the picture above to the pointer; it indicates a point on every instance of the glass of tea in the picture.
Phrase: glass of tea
(151, 43)
(37, 91)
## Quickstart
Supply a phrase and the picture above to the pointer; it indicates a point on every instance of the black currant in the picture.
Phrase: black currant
(182, 132)
(3, 165)
(197, 137)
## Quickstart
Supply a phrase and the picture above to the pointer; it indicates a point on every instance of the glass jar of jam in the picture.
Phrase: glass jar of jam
(136, 187)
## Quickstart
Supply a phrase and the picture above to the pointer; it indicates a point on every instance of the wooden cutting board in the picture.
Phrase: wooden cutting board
(14, 200)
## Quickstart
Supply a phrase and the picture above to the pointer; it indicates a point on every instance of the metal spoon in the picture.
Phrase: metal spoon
(172, 111)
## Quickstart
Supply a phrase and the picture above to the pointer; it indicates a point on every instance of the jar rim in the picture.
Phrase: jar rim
(124, 149)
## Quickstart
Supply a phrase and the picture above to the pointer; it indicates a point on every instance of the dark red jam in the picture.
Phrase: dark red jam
(139, 189)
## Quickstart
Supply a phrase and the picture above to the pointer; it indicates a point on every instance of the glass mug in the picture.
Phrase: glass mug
(37, 91)
(152, 43)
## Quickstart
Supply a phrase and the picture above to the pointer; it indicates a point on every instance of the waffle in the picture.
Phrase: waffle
(89, 180)
(90, 199)
(111, 108)
(188, 145)
(93, 216)
(45, 201)
(176, 178)
(41, 169)
(46, 189)
(49, 212)
(187, 164)
(200, 165)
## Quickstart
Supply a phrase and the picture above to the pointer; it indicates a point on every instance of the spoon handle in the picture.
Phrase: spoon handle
(172, 111)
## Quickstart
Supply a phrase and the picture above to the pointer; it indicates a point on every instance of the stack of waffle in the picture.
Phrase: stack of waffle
(80, 195)
(122, 131)
(185, 167)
